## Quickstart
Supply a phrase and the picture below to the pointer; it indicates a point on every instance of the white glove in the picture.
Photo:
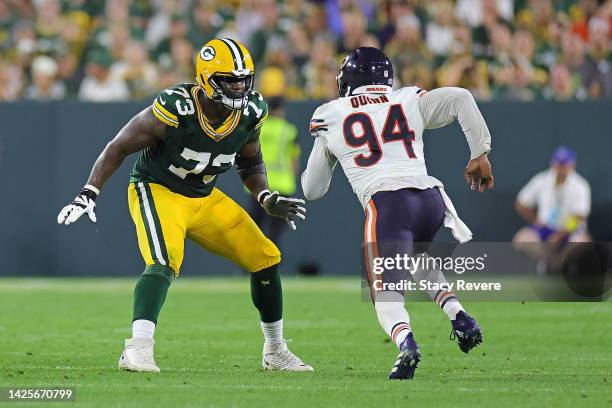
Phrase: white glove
(283, 207)
(85, 202)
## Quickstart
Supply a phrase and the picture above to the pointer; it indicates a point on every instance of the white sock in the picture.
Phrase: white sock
(273, 332)
(452, 307)
(392, 316)
(143, 329)
(400, 334)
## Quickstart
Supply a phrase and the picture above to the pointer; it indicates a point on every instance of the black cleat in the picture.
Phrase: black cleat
(407, 360)
(466, 331)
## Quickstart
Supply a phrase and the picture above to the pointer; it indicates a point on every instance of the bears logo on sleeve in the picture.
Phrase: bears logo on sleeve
(317, 126)
(421, 92)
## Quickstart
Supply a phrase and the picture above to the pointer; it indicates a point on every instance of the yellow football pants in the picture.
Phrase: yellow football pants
(163, 219)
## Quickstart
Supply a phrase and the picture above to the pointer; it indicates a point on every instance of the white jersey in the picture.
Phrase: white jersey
(378, 140)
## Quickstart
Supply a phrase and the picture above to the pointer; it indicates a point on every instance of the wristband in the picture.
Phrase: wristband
(262, 196)
(93, 189)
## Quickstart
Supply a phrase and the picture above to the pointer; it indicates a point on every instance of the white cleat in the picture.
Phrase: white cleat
(278, 357)
(138, 356)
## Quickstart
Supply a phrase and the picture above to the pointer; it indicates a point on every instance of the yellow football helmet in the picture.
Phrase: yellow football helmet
(221, 62)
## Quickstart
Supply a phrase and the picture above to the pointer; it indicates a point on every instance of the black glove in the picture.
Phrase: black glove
(283, 207)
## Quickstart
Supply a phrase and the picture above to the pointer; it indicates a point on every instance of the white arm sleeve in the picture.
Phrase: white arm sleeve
(319, 170)
(442, 106)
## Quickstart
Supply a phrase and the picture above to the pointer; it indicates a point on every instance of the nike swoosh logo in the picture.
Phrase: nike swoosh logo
(162, 100)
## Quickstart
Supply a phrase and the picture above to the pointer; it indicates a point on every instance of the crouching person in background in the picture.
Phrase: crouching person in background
(556, 203)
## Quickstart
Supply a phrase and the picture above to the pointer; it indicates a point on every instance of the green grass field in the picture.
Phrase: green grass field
(69, 332)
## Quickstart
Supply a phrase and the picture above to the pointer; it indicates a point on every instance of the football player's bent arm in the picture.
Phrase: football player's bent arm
(318, 174)
(441, 107)
(251, 168)
(141, 131)
(252, 171)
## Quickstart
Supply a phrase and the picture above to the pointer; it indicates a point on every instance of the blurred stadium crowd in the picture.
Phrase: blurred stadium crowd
(111, 50)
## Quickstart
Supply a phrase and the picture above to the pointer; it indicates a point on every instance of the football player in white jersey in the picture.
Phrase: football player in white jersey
(376, 134)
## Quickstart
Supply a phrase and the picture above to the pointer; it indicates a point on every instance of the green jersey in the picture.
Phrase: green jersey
(194, 151)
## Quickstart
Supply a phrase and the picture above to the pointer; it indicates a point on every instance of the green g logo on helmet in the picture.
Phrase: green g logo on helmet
(207, 53)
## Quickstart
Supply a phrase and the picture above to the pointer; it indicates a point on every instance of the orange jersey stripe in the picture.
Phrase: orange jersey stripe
(373, 231)
(366, 255)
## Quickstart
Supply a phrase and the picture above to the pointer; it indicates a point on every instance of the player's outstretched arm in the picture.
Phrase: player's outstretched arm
(141, 131)
(441, 107)
(252, 171)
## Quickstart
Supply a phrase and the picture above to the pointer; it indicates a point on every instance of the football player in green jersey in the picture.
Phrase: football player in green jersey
(189, 135)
